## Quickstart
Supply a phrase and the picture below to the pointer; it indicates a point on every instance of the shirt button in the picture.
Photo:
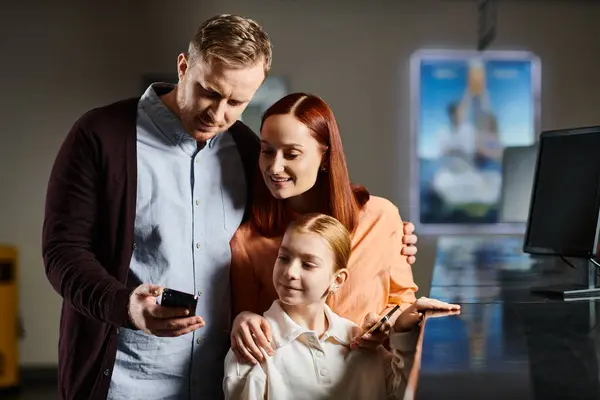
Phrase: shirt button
(199, 292)
(118, 330)
(323, 371)
(106, 372)
(311, 339)
(197, 202)
(197, 160)
(198, 245)
(199, 340)
(134, 245)
(319, 354)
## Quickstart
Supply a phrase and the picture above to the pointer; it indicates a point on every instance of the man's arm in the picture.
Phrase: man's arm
(68, 238)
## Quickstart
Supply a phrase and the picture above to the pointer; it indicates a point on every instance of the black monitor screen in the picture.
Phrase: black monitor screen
(563, 214)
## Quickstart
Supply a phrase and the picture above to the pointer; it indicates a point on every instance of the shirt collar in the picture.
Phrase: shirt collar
(285, 330)
(167, 122)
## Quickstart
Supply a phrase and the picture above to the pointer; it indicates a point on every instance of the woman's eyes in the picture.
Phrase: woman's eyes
(288, 156)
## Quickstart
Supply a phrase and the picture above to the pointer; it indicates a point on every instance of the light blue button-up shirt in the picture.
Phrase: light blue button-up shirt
(189, 204)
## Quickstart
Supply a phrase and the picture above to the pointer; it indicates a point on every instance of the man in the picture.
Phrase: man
(146, 193)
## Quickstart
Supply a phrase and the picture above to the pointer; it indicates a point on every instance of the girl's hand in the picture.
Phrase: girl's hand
(413, 315)
(374, 339)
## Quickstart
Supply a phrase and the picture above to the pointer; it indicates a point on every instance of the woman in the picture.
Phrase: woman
(303, 170)
(313, 360)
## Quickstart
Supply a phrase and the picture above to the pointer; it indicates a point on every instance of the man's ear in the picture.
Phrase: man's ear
(182, 65)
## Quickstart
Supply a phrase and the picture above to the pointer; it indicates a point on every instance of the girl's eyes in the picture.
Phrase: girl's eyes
(286, 259)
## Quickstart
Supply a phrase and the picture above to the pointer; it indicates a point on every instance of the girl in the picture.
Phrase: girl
(303, 170)
(313, 358)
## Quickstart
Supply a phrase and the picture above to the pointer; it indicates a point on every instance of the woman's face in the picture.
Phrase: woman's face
(290, 157)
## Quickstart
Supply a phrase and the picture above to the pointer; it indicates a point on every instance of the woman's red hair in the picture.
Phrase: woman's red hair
(341, 199)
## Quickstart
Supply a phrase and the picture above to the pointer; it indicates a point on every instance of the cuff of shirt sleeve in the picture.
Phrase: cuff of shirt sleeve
(404, 341)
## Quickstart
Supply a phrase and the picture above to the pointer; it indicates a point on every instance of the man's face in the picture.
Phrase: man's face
(211, 96)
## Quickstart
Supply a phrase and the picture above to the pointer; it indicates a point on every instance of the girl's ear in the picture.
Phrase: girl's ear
(341, 277)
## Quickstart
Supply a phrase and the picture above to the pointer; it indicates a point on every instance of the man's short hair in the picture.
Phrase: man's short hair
(232, 40)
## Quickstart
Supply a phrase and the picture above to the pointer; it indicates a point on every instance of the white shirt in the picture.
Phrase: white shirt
(305, 367)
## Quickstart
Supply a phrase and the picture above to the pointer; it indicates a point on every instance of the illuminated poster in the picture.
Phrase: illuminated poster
(466, 108)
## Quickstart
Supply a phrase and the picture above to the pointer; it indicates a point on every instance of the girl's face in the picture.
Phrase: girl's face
(290, 156)
(305, 269)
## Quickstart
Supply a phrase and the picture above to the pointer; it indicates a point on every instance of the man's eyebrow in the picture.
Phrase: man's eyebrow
(211, 89)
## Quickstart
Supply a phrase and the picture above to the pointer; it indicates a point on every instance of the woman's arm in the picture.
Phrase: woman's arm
(402, 285)
(245, 286)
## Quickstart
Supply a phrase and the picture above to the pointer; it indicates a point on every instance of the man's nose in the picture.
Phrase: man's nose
(218, 111)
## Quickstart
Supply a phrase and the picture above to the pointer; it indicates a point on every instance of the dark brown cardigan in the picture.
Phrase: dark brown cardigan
(88, 239)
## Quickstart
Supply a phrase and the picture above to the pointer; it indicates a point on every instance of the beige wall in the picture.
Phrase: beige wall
(60, 61)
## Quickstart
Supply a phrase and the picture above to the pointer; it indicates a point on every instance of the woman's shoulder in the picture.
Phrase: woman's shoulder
(245, 242)
(247, 237)
(380, 210)
(378, 217)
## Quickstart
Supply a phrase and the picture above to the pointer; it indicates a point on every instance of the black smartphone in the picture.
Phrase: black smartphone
(175, 298)
(383, 320)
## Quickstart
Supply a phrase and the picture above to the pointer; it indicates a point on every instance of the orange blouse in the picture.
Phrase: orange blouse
(380, 275)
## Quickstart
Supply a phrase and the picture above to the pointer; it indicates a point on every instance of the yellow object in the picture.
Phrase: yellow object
(9, 340)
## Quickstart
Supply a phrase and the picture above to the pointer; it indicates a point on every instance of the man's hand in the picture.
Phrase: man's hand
(147, 315)
(410, 240)
(374, 339)
(250, 331)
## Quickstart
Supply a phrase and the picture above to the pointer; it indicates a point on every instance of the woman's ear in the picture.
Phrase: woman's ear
(325, 160)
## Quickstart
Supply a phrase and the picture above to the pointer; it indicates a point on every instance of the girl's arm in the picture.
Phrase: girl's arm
(399, 362)
(403, 343)
(243, 381)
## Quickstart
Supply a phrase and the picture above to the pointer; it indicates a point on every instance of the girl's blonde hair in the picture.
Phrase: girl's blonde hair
(332, 230)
